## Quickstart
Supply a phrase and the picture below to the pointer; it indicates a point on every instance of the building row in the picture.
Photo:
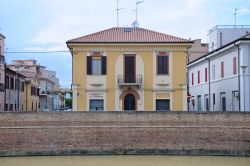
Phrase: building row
(125, 68)
(28, 86)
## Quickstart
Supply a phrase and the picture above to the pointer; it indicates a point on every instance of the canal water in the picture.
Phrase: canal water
(117, 160)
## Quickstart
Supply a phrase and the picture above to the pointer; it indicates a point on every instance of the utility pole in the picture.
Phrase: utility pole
(235, 16)
(117, 12)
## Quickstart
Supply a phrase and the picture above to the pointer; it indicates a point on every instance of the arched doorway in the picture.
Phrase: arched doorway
(129, 102)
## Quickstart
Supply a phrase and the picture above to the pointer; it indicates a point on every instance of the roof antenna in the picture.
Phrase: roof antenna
(235, 16)
(117, 13)
(136, 23)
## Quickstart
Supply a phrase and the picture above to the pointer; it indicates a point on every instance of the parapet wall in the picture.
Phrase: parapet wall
(73, 133)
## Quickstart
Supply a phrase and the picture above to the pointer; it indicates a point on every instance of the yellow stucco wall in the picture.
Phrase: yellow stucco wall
(28, 98)
(179, 78)
(113, 52)
(79, 77)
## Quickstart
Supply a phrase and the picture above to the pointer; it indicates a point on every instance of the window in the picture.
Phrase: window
(96, 64)
(192, 78)
(222, 69)
(213, 98)
(22, 88)
(11, 83)
(220, 39)
(213, 72)
(234, 65)
(223, 101)
(95, 104)
(7, 84)
(199, 77)
(199, 103)
(11, 107)
(6, 107)
(206, 99)
(163, 105)
(163, 63)
(33, 90)
(205, 74)
(17, 84)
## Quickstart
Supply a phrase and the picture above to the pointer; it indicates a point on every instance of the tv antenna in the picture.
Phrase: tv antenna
(136, 12)
(235, 16)
(117, 13)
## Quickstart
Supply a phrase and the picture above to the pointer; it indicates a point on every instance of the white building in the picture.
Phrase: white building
(221, 35)
(219, 80)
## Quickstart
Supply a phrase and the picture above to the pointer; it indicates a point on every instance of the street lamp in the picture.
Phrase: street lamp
(244, 67)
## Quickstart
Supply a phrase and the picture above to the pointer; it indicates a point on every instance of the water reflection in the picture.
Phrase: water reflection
(125, 161)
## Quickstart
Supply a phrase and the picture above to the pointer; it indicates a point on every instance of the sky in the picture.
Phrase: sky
(45, 25)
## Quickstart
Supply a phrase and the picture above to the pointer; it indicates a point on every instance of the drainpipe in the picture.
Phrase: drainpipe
(239, 75)
(209, 84)
(26, 89)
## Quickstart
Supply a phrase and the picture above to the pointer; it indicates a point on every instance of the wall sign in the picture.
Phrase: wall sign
(96, 95)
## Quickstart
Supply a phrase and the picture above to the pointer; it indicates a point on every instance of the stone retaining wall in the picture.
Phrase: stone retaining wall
(179, 133)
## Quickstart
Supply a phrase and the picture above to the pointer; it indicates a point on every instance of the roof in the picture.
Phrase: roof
(8, 70)
(243, 38)
(28, 74)
(128, 35)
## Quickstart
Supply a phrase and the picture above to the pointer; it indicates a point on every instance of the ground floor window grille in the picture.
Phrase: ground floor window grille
(96, 105)
(163, 105)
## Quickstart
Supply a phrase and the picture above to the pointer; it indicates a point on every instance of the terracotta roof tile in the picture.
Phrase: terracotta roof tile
(128, 35)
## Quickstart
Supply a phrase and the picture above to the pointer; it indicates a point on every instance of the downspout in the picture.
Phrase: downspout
(71, 52)
(26, 89)
(209, 84)
(238, 75)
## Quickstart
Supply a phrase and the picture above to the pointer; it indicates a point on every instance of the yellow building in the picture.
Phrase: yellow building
(31, 92)
(129, 69)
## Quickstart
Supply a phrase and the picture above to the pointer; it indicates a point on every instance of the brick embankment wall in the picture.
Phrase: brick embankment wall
(72, 133)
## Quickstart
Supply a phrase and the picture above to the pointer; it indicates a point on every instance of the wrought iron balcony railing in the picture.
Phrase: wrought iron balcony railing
(130, 80)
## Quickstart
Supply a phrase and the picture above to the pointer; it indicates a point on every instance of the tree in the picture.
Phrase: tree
(68, 103)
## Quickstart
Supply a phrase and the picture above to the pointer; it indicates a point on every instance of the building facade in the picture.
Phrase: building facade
(42, 83)
(2, 72)
(197, 50)
(14, 91)
(219, 81)
(129, 69)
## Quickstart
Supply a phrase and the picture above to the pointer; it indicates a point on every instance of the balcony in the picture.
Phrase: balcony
(130, 81)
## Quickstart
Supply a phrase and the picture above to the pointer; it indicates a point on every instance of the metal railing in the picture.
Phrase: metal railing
(228, 27)
(130, 80)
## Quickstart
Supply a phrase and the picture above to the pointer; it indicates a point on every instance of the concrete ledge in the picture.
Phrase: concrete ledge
(194, 152)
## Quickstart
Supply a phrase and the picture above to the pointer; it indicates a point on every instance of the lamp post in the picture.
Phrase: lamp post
(244, 67)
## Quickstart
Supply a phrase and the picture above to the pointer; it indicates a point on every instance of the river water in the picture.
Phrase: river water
(136, 160)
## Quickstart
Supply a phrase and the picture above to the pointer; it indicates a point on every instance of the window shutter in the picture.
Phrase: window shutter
(104, 65)
(89, 65)
(192, 78)
(167, 59)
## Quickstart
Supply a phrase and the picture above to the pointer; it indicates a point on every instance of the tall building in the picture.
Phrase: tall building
(219, 80)
(2, 72)
(129, 69)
